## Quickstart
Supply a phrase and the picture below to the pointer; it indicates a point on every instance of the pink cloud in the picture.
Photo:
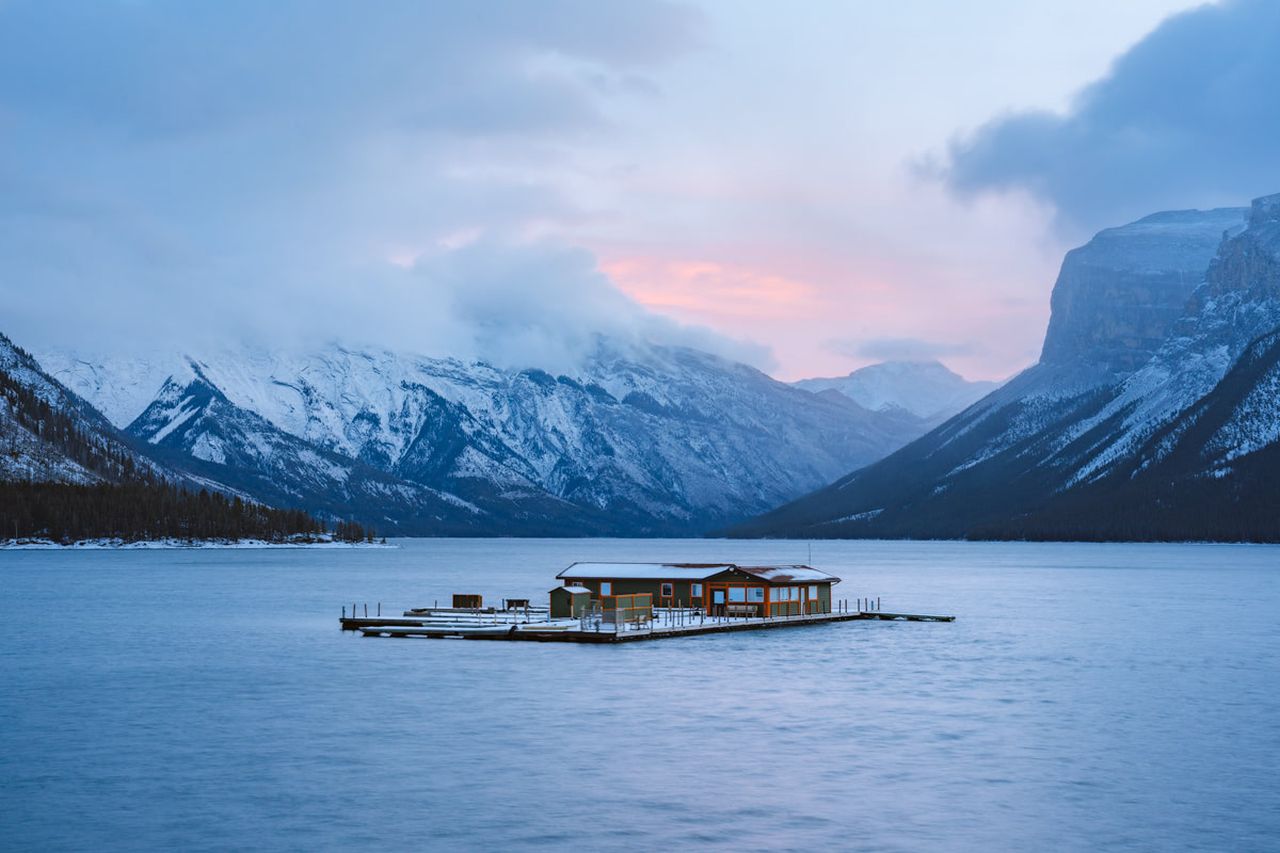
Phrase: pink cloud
(815, 309)
(709, 291)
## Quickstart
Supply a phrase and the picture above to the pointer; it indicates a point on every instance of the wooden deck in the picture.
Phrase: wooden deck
(570, 631)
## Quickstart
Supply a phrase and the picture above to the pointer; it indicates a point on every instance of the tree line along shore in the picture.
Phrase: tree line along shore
(142, 510)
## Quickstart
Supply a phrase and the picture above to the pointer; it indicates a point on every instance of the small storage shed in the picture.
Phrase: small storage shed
(718, 589)
(569, 602)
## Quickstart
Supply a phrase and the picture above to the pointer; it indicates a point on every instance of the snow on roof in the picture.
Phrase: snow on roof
(789, 574)
(693, 571)
(574, 590)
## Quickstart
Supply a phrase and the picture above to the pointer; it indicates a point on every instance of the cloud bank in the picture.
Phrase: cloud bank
(1187, 117)
(286, 171)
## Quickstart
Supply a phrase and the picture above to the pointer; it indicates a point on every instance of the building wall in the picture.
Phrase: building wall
(824, 597)
(681, 589)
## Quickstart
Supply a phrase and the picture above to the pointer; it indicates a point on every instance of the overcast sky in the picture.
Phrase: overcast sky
(807, 186)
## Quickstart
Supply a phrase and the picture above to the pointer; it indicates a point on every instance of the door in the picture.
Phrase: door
(717, 602)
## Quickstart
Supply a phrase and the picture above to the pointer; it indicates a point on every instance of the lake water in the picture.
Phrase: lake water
(1089, 697)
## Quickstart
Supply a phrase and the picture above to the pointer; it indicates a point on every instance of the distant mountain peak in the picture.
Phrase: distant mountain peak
(926, 389)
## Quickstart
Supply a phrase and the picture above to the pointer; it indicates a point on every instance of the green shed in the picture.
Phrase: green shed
(569, 602)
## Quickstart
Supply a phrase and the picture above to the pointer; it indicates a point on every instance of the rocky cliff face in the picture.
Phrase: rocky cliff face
(1086, 445)
(1118, 296)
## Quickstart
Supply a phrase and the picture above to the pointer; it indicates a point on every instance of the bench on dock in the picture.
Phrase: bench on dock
(741, 609)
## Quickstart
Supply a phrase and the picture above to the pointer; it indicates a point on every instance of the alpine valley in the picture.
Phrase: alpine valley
(641, 440)
(1153, 413)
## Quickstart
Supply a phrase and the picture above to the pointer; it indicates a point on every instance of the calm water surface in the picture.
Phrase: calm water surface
(1089, 697)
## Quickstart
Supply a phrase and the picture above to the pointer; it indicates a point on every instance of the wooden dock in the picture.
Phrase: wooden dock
(905, 617)
(478, 627)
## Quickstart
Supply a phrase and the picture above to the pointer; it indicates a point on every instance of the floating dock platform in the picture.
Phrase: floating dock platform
(448, 623)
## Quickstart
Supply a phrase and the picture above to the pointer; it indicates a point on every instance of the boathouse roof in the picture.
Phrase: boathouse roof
(693, 571)
(789, 574)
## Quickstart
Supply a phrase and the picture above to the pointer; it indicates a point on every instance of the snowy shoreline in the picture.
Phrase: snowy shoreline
(120, 544)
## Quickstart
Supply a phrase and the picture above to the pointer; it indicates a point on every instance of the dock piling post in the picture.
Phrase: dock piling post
(344, 611)
(379, 609)
(877, 603)
(366, 611)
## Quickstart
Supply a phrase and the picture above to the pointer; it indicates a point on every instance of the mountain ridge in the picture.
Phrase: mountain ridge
(667, 440)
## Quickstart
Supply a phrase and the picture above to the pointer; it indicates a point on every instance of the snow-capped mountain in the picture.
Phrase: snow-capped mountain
(661, 440)
(927, 389)
(49, 434)
(193, 426)
(1151, 413)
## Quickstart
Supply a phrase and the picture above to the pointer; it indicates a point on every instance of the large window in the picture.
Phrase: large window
(695, 590)
(755, 593)
(667, 592)
(737, 593)
(813, 593)
(606, 588)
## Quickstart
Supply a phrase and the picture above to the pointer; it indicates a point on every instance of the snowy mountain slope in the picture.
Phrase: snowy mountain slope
(1208, 473)
(661, 440)
(927, 389)
(47, 433)
(123, 393)
(194, 424)
(1103, 405)
(1224, 431)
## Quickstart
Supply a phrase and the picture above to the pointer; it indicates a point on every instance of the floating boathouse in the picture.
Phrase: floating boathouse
(716, 589)
(623, 602)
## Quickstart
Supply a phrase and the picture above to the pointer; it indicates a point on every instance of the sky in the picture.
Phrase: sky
(808, 187)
